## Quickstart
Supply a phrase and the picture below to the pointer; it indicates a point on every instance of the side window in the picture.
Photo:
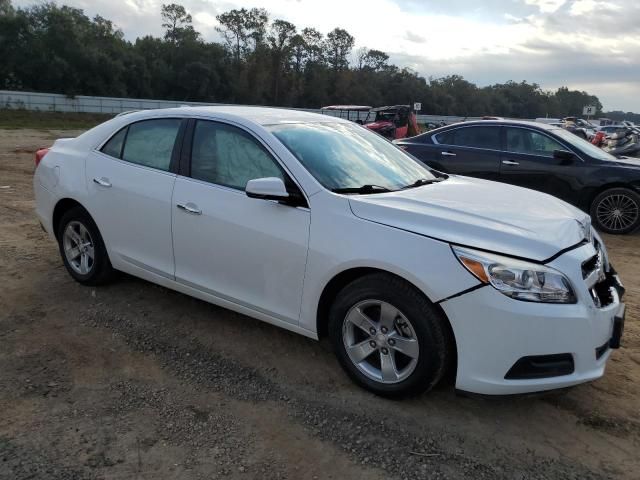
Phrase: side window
(150, 142)
(113, 147)
(229, 156)
(445, 138)
(478, 137)
(520, 140)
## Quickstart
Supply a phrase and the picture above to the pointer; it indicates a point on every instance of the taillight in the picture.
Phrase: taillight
(40, 153)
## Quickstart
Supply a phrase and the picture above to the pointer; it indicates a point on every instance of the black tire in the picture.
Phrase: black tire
(100, 270)
(628, 202)
(436, 350)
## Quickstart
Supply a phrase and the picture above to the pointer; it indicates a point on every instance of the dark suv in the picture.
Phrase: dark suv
(540, 157)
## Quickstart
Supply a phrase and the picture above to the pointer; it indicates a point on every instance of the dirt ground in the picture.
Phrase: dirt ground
(135, 381)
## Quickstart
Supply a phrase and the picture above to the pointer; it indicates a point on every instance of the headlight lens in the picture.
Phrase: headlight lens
(517, 279)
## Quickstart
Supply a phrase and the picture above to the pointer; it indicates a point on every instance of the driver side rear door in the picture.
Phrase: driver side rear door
(473, 151)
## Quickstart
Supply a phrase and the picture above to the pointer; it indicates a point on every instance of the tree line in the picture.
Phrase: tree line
(260, 60)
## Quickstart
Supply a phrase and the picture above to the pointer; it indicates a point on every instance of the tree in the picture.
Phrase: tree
(279, 39)
(338, 47)
(6, 8)
(53, 48)
(375, 60)
(178, 24)
(314, 44)
(238, 26)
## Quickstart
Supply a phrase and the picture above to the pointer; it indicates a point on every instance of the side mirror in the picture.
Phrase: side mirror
(565, 155)
(269, 188)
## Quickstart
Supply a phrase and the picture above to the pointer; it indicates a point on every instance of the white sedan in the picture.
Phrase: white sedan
(317, 225)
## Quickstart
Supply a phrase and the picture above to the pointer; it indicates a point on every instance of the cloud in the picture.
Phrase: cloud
(414, 37)
(584, 7)
(577, 43)
(546, 6)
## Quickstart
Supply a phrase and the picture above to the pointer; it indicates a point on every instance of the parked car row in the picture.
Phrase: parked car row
(541, 157)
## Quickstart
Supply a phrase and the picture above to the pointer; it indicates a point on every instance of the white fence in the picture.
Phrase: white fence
(53, 102)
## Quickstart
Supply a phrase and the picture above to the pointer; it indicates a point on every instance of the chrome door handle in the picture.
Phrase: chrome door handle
(509, 162)
(189, 208)
(448, 154)
(103, 182)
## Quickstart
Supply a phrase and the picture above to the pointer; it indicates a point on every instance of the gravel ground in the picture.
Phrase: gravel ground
(135, 381)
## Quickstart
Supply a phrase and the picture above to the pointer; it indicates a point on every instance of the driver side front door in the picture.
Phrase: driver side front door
(243, 250)
(528, 161)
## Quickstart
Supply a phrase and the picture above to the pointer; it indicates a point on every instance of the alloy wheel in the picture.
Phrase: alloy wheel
(380, 341)
(617, 212)
(79, 248)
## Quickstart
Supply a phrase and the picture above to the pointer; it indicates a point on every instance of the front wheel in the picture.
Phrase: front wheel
(616, 211)
(388, 337)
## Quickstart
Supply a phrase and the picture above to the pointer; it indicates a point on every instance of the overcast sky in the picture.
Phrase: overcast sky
(591, 45)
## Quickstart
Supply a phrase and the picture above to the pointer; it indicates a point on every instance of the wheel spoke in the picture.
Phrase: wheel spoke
(72, 253)
(388, 315)
(388, 367)
(360, 351)
(84, 234)
(90, 252)
(360, 320)
(75, 236)
(406, 346)
(84, 263)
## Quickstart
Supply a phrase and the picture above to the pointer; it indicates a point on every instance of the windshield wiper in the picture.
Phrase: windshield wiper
(423, 181)
(364, 189)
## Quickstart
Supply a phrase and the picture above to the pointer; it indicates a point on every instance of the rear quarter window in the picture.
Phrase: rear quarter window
(444, 138)
(113, 147)
(478, 137)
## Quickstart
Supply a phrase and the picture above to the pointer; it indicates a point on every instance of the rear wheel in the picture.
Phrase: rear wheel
(388, 337)
(82, 248)
(616, 211)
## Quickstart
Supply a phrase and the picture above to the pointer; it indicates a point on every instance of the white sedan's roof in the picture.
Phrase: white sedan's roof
(241, 114)
(259, 115)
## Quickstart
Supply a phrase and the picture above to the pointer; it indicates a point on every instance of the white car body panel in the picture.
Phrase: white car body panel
(255, 251)
(484, 317)
(273, 261)
(134, 213)
(521, 222)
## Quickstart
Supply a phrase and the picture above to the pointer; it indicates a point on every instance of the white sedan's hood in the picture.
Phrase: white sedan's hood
(479, 213)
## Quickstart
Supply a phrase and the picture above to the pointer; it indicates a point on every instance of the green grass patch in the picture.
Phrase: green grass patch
(15, 119)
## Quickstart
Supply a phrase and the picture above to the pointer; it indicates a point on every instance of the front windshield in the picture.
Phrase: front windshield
(583, 146)
(346, 155)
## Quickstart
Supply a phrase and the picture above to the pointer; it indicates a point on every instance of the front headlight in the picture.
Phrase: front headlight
(517, 279)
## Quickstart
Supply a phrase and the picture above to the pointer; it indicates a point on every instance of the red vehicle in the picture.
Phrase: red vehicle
(392, 122)
(397, 121)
